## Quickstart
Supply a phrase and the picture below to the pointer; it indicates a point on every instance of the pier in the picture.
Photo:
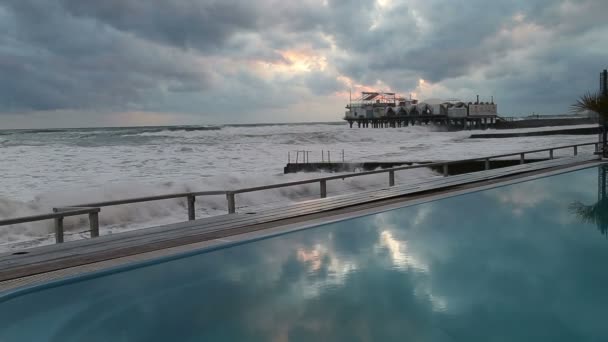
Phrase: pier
(383, 110)
(479, 122)
(388, 110)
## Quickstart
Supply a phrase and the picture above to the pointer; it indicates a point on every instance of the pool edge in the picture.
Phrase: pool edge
(83, 272)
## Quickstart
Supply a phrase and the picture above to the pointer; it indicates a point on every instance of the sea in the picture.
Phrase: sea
(46, 168)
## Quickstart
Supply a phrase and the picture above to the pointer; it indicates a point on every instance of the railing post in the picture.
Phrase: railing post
(487, 163)
(191, 212)
(391, 178)
(522, 158)
(59, 229)
(323, 190)
(231, 202)
(575, 150)
(551, 154)
(94, 224)
(445, 170)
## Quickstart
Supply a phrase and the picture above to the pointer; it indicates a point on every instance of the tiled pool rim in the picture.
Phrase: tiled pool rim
(85, 272)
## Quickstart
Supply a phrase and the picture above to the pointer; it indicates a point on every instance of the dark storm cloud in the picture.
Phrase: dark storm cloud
(57, 61)
(321, 83)
(446, 39)
(201, 24)
(204, 25)
(191, 54)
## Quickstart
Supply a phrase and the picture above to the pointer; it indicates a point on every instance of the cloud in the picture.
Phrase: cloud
(204, 57)
(61, 62)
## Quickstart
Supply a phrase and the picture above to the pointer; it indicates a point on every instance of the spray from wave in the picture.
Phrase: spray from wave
(42, 169)
(119, 218)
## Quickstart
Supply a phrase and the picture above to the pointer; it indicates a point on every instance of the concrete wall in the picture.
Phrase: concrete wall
(482, 109)
(571, 131)
(543, 123)
(454, 112)
(455, 169)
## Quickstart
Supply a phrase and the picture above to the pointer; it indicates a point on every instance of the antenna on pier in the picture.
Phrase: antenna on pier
(492, 99)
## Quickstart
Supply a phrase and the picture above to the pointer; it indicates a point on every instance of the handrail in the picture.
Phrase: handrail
(93, 209)
(399, 168)
(58, 216)
(32, 218)
(152, 198)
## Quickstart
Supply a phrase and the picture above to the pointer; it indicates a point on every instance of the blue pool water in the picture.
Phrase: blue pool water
(518, 263)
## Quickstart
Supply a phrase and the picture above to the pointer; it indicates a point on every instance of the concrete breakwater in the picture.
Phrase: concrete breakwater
(456, 169)
(536, 123)
(567, 131)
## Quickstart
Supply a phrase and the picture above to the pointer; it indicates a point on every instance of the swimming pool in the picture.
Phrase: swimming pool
(524, 262)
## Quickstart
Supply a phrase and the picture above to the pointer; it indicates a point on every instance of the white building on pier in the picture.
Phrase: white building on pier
(379, 105)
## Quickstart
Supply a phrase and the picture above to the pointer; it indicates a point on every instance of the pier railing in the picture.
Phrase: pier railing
(303, 156)
(93, 209)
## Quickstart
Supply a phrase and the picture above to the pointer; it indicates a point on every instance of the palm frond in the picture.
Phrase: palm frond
(593, 102)
(594, 214)
(585, 213)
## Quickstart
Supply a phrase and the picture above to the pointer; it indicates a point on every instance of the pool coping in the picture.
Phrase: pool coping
(20, 286)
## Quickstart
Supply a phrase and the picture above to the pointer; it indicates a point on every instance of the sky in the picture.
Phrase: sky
(77, 63)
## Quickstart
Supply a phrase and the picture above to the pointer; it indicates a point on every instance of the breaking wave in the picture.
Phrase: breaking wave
(72, 166)
(136, 216)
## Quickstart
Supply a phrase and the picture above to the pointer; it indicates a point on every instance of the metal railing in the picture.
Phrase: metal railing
(58, 216)
(93, 209)
(303, 156)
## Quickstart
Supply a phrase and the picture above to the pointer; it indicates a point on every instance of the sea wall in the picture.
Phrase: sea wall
(567, 131)
(533, 123)
(453, 169)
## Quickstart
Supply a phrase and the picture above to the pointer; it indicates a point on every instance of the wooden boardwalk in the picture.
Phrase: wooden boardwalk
(70, 254)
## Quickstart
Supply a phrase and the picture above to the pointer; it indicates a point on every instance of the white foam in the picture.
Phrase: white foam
(67, 168)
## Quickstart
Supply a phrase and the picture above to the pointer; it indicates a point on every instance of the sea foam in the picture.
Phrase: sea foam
(42, 170)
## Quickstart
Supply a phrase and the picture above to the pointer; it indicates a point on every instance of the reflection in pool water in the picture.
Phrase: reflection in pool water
(507, 264)
(596, 213)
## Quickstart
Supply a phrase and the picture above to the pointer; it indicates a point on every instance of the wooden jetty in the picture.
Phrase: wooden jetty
(41, 264)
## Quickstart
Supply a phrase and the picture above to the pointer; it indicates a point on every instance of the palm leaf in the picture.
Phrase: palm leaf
(593, 102)
(595, 214)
